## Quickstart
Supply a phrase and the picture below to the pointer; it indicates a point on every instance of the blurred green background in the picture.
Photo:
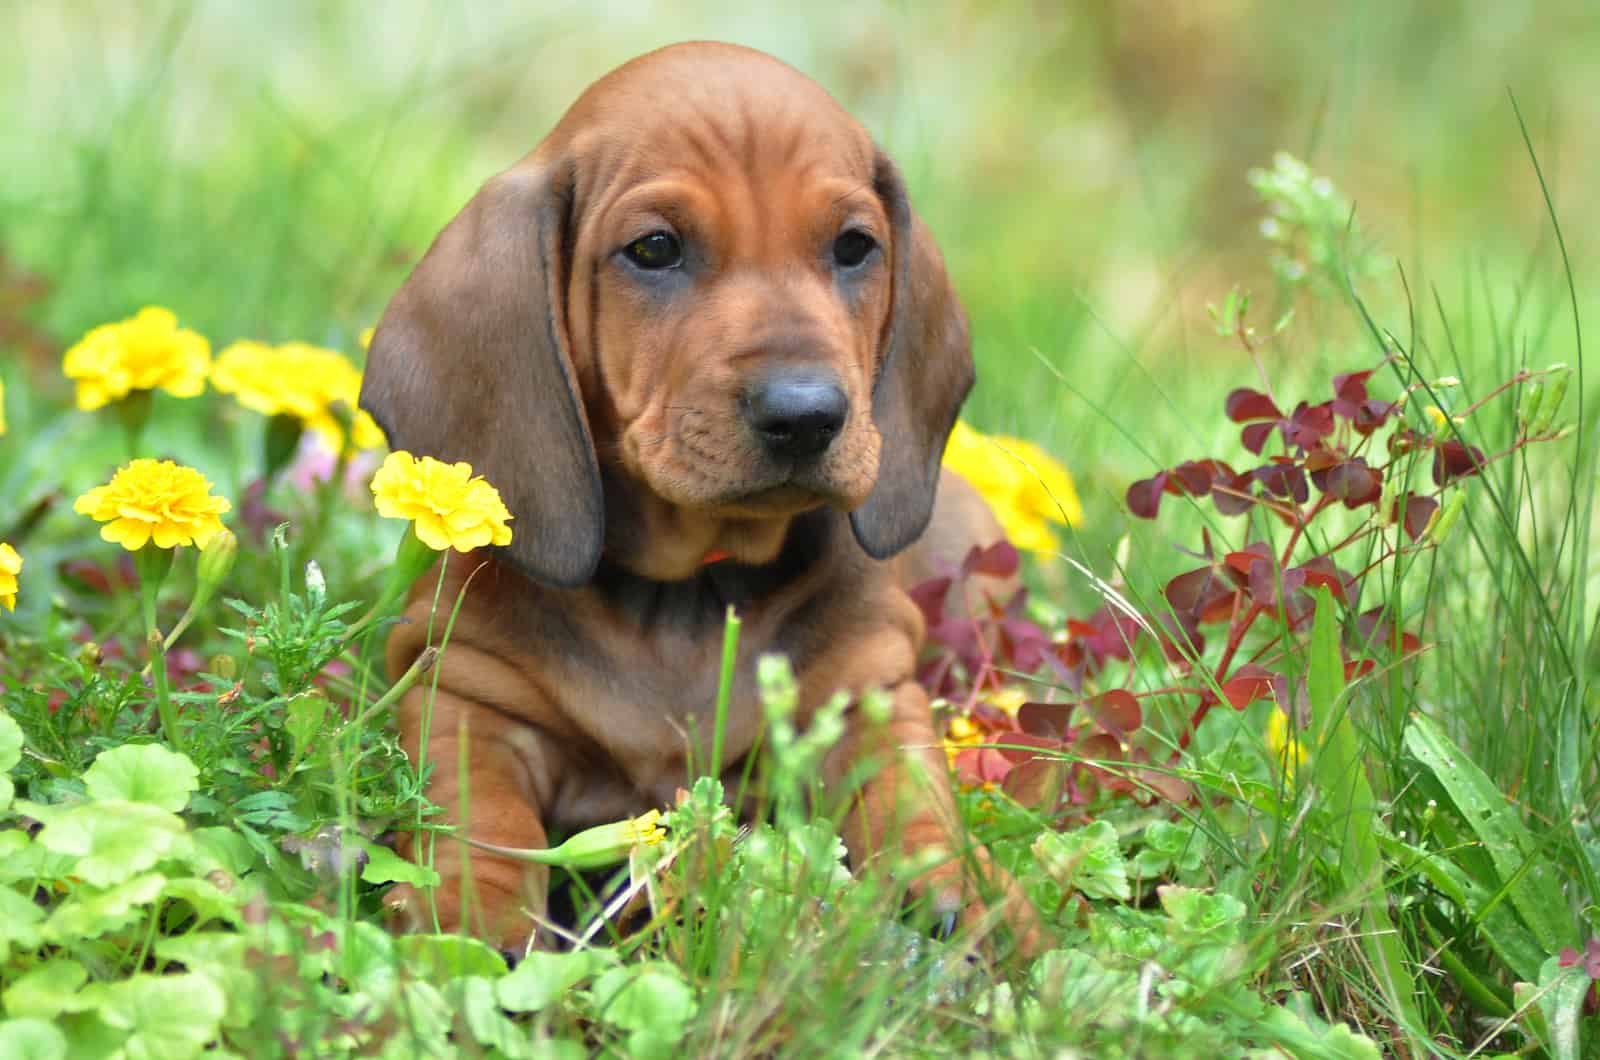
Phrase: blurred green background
(271, 170)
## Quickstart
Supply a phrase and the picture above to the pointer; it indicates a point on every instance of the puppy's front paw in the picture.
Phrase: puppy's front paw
(977, 889)
(496, 915)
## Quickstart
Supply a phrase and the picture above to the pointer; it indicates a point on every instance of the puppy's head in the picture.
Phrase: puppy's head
(707, 282)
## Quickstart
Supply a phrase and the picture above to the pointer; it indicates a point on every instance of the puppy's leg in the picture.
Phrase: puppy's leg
(907, 811)
(498, 898)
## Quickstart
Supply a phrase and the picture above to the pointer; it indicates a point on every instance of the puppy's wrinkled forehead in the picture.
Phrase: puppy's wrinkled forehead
(710, 107)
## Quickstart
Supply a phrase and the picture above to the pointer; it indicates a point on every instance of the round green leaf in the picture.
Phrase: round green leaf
(147, 773)
(114, 840)
(48, 990)
(31, 1039)
(474, 997)
(447, 956)
(167, 1017)
(541, 978)
(648, 997)
(87, 914)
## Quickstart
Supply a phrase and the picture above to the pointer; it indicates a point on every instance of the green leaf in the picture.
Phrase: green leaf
(19, 923)
(221, 957)
(166, 1017)
(208, 901)
(1507, 934)
(222, 848)
(1199, 916)
(91, 1038)
(145, 773)
(1527, 875)
(475, 999)
(428, 1016)
(544, 977)
(31, 1039)
(10, 755)
(114, 840)
(1561, 996)
(303, 719)
(48, 990)
(385, 866)
(88, 914)
(10, 742)
(22, 859)
(1088, 860)
(1339, 770)
(648, 997)
(448, 956)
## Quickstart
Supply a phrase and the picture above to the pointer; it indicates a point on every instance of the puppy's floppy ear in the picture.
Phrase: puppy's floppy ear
(470, 362)
(923, 377)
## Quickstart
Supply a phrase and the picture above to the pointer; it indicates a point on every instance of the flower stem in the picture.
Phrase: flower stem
(730, 651)
(152, 563)
(412, 560)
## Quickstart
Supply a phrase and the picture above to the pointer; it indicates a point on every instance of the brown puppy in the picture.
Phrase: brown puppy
(709, 356)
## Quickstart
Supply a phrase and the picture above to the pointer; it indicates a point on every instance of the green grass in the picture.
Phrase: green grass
(272, 171)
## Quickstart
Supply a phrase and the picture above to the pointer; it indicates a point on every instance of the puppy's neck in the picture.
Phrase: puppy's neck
(659, 541)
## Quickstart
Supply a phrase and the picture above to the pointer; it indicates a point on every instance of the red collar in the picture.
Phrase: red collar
(716, 555)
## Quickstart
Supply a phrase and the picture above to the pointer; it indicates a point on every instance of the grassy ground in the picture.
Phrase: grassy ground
(272, 171)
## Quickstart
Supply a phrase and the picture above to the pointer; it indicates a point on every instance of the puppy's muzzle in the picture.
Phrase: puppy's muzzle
(796, 413)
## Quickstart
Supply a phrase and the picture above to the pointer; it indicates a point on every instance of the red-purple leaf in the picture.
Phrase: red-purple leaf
(1144, 496)
(1349, 393)
(1320, 570)
(1244, 405)
(1021, 747)
(1283, 479)
(1309, 424)
(1418, 510)
(1353, 482)
(1117, 711)
(1038, 783)
(929, 596)
(999, 560)
(1453, 460)
(1051, 720)
(1245, 560)
(981, 765)
(1255, 435)
(1248, 684)
(1231, 494)
(1372, 414)
(1202, 594)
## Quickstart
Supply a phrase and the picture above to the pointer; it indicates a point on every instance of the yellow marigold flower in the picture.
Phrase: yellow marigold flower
(2, 406)
(299, 380)
(155, 500)
(144, 352)
(962, 732)
(1286, 749)
(447, 504)
(10, 567)
(1008, 699)
(1026, 486)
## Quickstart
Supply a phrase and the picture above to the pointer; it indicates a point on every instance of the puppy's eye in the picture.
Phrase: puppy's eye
(658, 250)
(852, 248)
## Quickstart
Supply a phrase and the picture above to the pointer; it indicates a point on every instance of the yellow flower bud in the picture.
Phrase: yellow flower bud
(216, 560)
(1444, 519)
(594, 848)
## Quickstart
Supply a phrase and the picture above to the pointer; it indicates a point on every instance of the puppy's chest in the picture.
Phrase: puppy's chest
(640, 683)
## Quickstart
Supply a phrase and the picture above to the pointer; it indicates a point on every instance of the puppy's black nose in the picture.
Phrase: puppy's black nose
(796, 412)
